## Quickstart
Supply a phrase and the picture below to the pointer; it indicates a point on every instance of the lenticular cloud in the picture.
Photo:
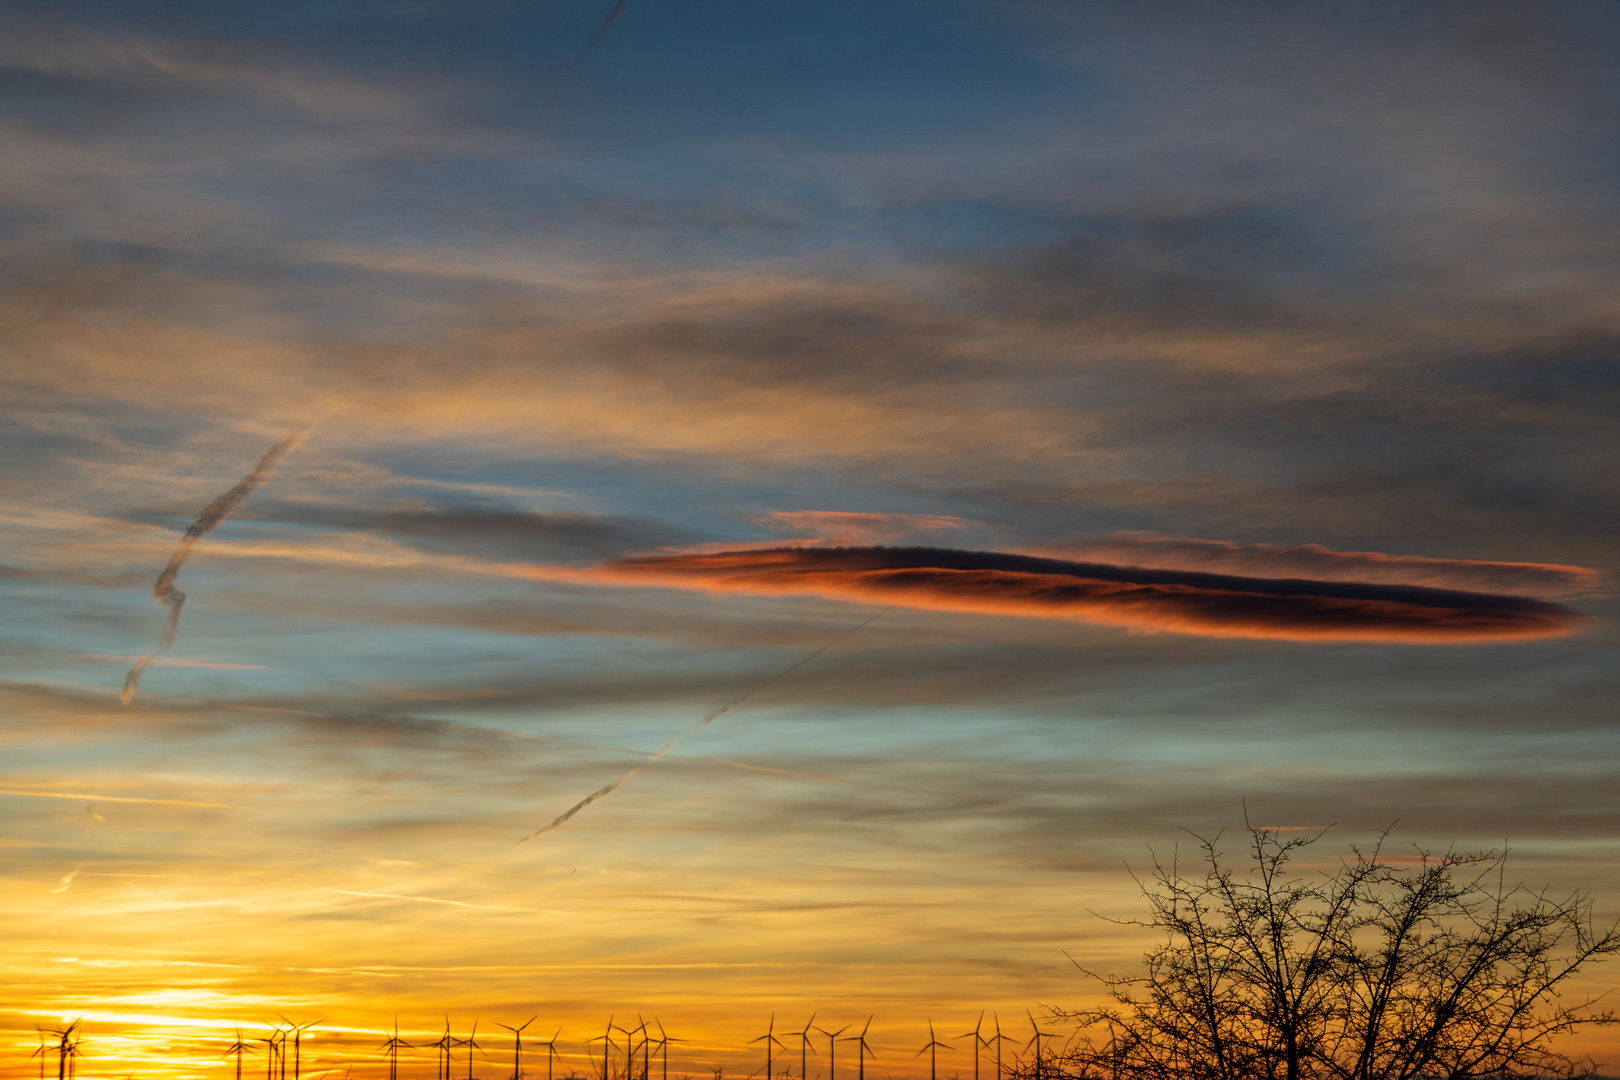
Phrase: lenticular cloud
(1137, 598)
(1549, 581)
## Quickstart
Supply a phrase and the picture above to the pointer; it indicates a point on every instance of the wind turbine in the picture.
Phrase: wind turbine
(67, 1049)
(70, 1047)
(804, 1045)
(471, 1043)
(1036, 1042)
(770, 1040)
(663, 1046)
(392, 1046)
(978, 1041)
(607, 1041)
(443, 1045)
(932, 1050)
(517, 1045)
(239, 1047)
(998, 1038)
(551, 1051)
(646, 1049)
(298, 1038)
(832, 1050)
(272, 1043)
(860, 1057)
(629, 1050)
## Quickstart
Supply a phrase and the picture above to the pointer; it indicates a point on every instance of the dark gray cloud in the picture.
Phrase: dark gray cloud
(1137, 597)
(490, 530)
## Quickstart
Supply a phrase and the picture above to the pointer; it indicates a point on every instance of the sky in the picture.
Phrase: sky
(1045, 429)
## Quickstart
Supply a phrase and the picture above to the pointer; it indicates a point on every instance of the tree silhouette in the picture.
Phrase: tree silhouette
(1381, 968)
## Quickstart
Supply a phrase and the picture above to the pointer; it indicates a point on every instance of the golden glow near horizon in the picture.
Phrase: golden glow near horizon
(1025, 432)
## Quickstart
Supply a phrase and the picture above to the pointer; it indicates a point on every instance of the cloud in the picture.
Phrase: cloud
(114, 798)
(169, 661)
(491, 529)
(426, 900)
(829, 528)
(1141, 599)
(837, 527)
(1314, 561)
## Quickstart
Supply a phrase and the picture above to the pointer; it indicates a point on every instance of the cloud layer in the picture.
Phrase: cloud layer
(1014, 272)
(1548, 580)
(1140, 599)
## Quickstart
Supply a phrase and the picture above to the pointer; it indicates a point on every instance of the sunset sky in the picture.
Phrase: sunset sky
(1125, 415)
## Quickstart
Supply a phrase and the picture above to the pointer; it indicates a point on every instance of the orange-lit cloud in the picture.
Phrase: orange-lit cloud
(829, 528)
(112, 798)
(1140, 599)
(836, 527)
(1323, 564)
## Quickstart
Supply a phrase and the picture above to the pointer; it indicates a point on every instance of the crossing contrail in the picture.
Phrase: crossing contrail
(667, 747)
(217, 511)
(601, 32)
(607, 24)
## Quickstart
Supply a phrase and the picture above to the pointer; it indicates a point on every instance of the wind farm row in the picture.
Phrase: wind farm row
(814, 1051)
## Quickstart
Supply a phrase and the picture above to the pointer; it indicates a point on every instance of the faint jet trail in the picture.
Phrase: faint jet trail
(429, 900)
(607, 24)
(667, 747)
(113, 798)
(217, 511)
(601, 32)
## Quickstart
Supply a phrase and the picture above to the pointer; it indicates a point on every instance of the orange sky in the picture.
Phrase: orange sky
(1319, 300)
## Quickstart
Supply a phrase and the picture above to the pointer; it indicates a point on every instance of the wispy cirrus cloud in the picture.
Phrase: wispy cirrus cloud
(840, 527)
(174, 661)
(830, 528)
(1140, 599)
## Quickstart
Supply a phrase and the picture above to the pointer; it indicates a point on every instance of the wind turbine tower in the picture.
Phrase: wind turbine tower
(804, 1045)
(517, 1046)
(664, 1040)
(239, 1047)
(297, 1031)
(861, 1055)
(978, 1042)
(443, 1045)
(832, 1050)
(391, 1047)
(1036, 1043)
(932, 1049)
(551, 1051)
(998, 1038)
(471, 1043)
(771, 1041)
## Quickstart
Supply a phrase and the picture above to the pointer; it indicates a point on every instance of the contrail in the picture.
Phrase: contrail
(428, 900)
(601, 32)
(114, 798)
(217, 511)
(667, 747)
(607, 24)
(67, 882)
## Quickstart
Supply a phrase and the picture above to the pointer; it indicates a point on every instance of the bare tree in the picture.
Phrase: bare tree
(1417, 967)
